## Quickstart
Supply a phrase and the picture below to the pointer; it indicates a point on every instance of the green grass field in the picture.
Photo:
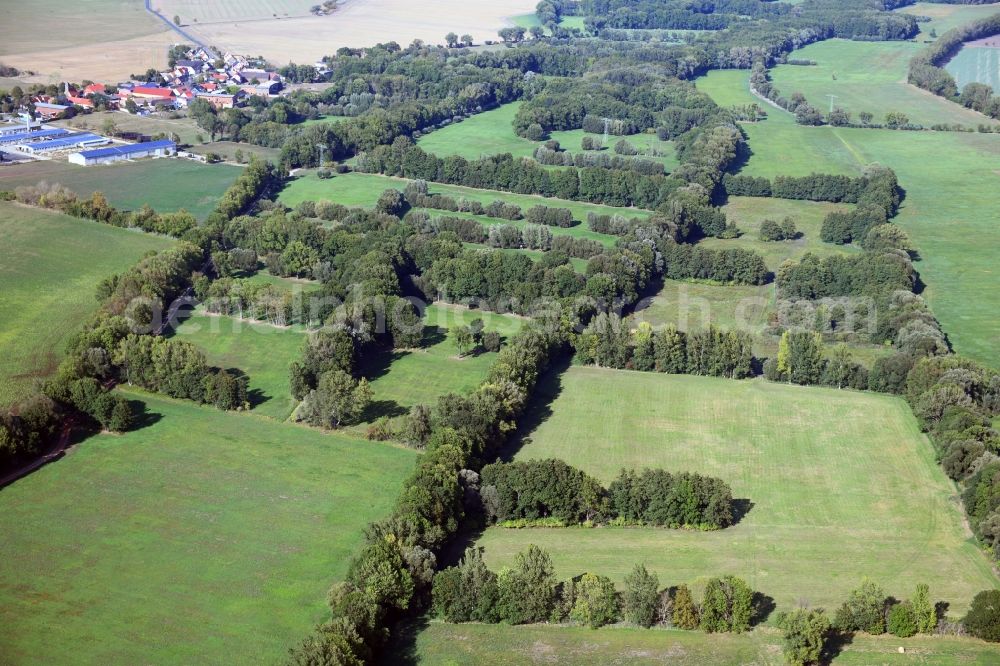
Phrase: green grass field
(262, 351)
(204, 536)
(749, 212)
(227, 150)
(833, 499)
(492, 133)
(692, 306)
(403, 378)
(165, 184)
(504, 645)
(363, 189)
(950, 209)
(868, 76)
(50, 265)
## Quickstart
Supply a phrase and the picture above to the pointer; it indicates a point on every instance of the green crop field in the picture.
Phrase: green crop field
(832, 498)
(165, 184)
(749, 212)
(950, 210)
(504, 645)
(50, 266)
(403, 378)
(262, 351)
(868, 76)
(976, 65)
(492, 133)
(203, 536)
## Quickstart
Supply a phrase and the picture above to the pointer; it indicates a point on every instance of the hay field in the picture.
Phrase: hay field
(833, 499)
(359, 23)
(50, 266)
(201, 537)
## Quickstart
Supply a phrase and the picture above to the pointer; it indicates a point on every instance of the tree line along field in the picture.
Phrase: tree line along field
(363, 189)
(947, 212)
(50, 266)
(167, 185)
(503, 645)
(103, 543)
(492, 133)
(831, 499)
(868, 76)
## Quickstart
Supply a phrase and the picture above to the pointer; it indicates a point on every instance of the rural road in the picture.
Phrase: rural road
(176, 28)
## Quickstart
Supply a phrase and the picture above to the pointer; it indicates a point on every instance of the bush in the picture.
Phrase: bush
(805, 635)
(902, 620)
(642, 597)
(983, 618)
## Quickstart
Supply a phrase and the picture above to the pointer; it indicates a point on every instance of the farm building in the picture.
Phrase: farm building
(67, 142)
(22, 136)
(49, 111)
(126, 152)
(19, 128)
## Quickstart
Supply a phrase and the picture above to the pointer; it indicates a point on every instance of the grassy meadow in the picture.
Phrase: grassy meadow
(165, 184)
(50, 266)
(364, 189)
(262, 351)
(403, 378)
(948, 210)
(944, 17)
(157, 123)
(832, 499)
(868, 76)
(976, 65)
(749, 212)
(504, 645)
(202, 537)
(492, 133)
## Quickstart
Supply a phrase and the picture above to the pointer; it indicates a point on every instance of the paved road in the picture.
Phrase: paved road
(176, 28)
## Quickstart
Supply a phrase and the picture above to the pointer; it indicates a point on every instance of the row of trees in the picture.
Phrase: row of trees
(530, 592)
(608, 342)
(550, 490)
(550, 157)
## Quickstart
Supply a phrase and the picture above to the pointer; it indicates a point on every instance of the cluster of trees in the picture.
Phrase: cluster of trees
(179, 369)
(927, 67)
(26, 428)
(868, 274)
(552, 217)
(417, 196)
(802, 359)
(771, 230)
(530, 592)
(543, 491)
(248, 299)
(608, 342)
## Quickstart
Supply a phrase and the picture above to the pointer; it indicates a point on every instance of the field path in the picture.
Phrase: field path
(176, 28)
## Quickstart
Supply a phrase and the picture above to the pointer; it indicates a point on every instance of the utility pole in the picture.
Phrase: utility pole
(832, 97)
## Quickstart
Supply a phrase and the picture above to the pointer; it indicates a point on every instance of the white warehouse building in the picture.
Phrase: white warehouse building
(126, 152)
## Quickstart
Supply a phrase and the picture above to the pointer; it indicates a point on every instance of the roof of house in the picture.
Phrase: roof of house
(128, 149)
(94, 88)
(54, 107)
(152, 92)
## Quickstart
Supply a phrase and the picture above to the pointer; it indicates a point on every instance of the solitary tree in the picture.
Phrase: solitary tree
(596, 604)
(467, 39)
(451, 39)
(923, 609)
(463, 339)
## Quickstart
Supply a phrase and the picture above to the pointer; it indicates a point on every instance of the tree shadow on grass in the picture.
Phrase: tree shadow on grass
(741, 507)
(402, 647)
(835, 644)
(762, 605)
(549, 387)
(378, 365)
(141, 416)
(434, 335)
(379, 408)
(256, 398)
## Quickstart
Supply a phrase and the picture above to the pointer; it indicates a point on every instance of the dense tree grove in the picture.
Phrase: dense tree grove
(539, 490)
